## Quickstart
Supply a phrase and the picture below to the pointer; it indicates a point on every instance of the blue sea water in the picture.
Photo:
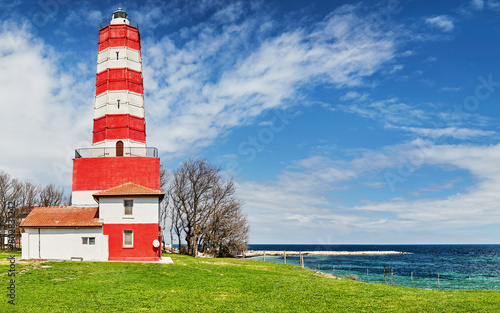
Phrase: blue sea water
(458, 266)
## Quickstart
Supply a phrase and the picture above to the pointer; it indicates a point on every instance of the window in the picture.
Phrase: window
(117, 54)
(88, 241)
(128, 238)
(128, 204)
(118, 103)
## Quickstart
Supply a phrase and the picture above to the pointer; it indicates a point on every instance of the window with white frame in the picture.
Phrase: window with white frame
(90, 241)
(128, 238)
(128, 205)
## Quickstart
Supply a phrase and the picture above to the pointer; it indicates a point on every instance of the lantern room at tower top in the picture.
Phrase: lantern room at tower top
(119, 153)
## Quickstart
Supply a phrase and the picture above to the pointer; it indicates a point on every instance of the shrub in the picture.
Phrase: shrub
(352, 276)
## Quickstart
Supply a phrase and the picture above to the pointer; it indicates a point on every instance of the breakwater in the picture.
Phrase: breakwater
(252, 253)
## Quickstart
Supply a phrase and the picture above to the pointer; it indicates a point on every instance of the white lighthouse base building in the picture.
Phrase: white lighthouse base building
(124, 227)
(72, 244)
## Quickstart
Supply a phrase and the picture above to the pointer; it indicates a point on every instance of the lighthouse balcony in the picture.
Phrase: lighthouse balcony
(116, 152)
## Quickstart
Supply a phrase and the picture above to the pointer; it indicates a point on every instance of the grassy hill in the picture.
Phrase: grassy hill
(217, 285)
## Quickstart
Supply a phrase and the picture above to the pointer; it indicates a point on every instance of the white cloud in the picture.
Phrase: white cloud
(442, 22)
(477, 206)
(435, 187)
(42, 109)
(450, 89)
(300, 201)
(354, 95)
(454, 132)
(84, 16)
(477, 4)
(430, 60)
(480, 5)
(200, 89)
(390, 111)
(397, 68)
(376, 185)
(493, 5)
(394, 113)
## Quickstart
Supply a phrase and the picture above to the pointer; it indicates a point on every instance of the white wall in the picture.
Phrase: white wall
(112, 211)
(63, 244)
(83, 198)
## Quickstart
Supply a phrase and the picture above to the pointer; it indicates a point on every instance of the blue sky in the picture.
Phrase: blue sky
(341, 122)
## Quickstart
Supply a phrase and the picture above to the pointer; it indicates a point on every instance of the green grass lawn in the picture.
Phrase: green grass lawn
(217, 285)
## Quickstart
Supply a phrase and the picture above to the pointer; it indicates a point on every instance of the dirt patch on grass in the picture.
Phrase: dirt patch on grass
(62, 278)
(327, 275)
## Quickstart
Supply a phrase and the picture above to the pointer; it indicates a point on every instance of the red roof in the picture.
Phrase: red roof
(129, 189)
(62, 216)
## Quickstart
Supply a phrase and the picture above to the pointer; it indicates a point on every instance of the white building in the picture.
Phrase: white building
(124, 227)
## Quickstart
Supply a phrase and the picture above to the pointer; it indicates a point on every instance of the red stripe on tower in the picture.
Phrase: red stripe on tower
(119, 79)
(119, 36)
(119, 126)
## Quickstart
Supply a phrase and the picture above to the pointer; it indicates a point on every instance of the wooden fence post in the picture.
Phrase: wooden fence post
(264, 256)
(284, 256)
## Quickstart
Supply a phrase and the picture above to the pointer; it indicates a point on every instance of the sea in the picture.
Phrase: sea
(443, 267)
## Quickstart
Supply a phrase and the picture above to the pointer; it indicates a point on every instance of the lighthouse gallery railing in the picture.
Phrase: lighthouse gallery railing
(111, 151)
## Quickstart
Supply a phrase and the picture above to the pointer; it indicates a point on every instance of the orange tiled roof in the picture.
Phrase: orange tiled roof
(129, 189)
(62, 216)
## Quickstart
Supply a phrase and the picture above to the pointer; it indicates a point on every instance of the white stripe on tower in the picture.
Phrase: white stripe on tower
(119, 57)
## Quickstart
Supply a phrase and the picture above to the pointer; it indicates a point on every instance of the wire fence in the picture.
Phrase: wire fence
(397, 276)
(385, 275)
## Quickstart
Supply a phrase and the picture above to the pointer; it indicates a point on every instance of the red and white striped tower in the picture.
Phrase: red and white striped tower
(119, 99)
(119, 153)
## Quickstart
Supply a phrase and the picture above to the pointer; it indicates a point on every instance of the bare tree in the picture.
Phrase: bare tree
(226, 234)
(8, 193)
(200, 199)
(50, 195)
(25, 195)
(26, 203)
(164, 206)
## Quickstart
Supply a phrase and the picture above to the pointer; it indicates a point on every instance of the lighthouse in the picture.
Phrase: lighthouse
(119, 100)
(116, 182)
(119, 153)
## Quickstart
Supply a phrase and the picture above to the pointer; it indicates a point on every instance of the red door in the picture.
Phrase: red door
(119, 148)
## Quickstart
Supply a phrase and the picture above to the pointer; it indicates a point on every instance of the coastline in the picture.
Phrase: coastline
(252, 253)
